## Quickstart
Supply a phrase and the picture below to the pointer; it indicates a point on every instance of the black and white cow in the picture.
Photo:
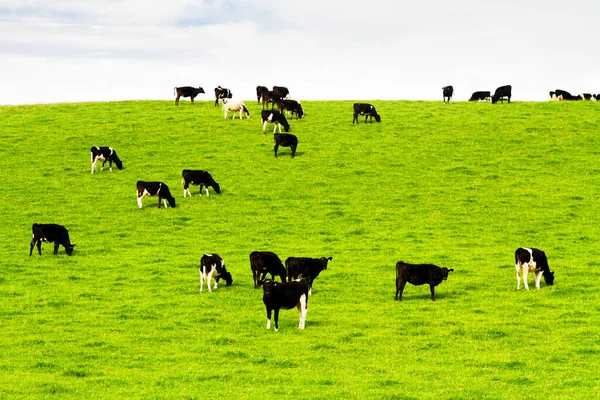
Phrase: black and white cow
(187, 91)
(589, 96)
(50, 233)
(154, 189)
(263, 263)
(285, 140)
(235, 106)
(447, 92)
(305, 268)
(198, 177)
(481, 96)
(104, 154)
(285, 295)
(282, 91)
(292, 106)
(368, 110)
(259, 92)
(276, 118)
(222, 93)
(419, 274)
(533, 260)
(501, 93)
(564, 95)
(213, 266)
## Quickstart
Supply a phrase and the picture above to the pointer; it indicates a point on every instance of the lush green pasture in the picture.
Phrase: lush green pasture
(460, 185)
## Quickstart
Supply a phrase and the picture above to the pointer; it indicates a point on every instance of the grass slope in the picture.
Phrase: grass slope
(460, 185)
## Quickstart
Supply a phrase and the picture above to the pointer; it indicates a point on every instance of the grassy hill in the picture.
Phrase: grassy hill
(460, 186)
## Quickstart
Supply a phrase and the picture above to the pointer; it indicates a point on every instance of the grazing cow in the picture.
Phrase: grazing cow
(285, 140)
(276, 118)
(198, 177)
(482, 95)
(589, 96)
(154, 189)
(282, 91)
(259, 92)
(419, 274)
(105, 154)
(501, 93)
(187, 91)
(367, 110)
(222, 93)
(305, 268)
(263, 263)
(564, 95)
(270, 97)
(285, 295)
(447, 92)
(50, 233)
(533, 260)
(235, 106)
(291, 105)
(213, 266)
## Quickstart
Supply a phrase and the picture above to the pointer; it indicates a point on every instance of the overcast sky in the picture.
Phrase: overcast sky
(100, 50)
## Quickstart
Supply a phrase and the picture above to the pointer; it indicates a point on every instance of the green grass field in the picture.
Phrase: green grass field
(460, 186)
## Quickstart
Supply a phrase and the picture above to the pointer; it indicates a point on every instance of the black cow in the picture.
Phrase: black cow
(305, 268)
(50, 233)
(263, 263)
(282, 91)
(154, 189)
(533, 260)
(367, 110)
(419, 274)
(213, 266)
(291, 105)
(564, 95)
(285, 295)
(285, 140)
(259, 92)
(447, 92)
(198, 177)
(589, 96)
(501, 93)
(222, 93)
(105, 154)
(187, 91)
(276, 118)
(482, 95)
(270, 97)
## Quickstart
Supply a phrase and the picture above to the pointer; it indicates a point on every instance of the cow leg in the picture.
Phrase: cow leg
(518, 268)
(177, 100)
(268, 318)
(103, 162)
(110, 165)
(293, 151)
(255, 276)
(525, 273)
(202, 277)
(264, 126)
(209, 278)
(276, 316)
(93, 166)
(432, 289)
(164, 202)
(400, 283)
(56, 244)
(192, 99)
(206, 188)
(33, 243)
(201, 186)
(302, 309)
(538, 278)
(139, 199)
(275, 148)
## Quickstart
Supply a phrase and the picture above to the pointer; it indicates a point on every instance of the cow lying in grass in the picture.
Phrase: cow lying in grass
(50, 233)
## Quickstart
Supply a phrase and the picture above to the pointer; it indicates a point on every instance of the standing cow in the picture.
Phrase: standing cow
(285, 295)
(501, 93)
(105, 154)
(50, 233)
(154, 189)
(222, 93)
(533, 260)
(263, 263)
(187, 91)
(198, 177)
(305, 268)
(419, 274)
(368, 110)
(447, 92)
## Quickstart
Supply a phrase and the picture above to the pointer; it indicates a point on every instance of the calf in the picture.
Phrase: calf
(482, 95)
(187, 91)
(419, 274)
(154, 189)
(447, 92)
(105, 154)
(198, 177)
(222, 93)
(285, 295)
(533, 260)
(367, 110)
(305, 268)
(285, 140)
(235, 106)
(291, 105)
(259, 92)
(213, 266)
(276, 118)
(501, 93)
(263, 263)
(50, 233)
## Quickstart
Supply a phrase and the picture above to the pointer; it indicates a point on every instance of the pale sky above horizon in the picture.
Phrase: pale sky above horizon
(56, 51)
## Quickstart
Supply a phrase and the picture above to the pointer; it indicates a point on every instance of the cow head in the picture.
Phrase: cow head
(495, 99)
(216, 187)
(377, 118)
(69, 249)
(200, 90)
(118, 163)
(324, 261)
(286, 125)
(171, 201)
(445, 272)
(268, 288)
(549, 278)
(226, 276)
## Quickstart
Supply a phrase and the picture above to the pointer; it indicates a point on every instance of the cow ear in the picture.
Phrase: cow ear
(451, 270)
(330, 258)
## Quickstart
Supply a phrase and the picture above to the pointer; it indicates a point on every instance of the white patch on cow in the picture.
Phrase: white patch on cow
(268, 324)
(165, 203)
(264, 126)
(207, 190)
(302, 309)
(139, 199)
(526, 268)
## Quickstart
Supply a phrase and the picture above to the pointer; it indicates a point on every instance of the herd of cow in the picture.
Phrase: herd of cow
(299, 273)
(505, 92)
